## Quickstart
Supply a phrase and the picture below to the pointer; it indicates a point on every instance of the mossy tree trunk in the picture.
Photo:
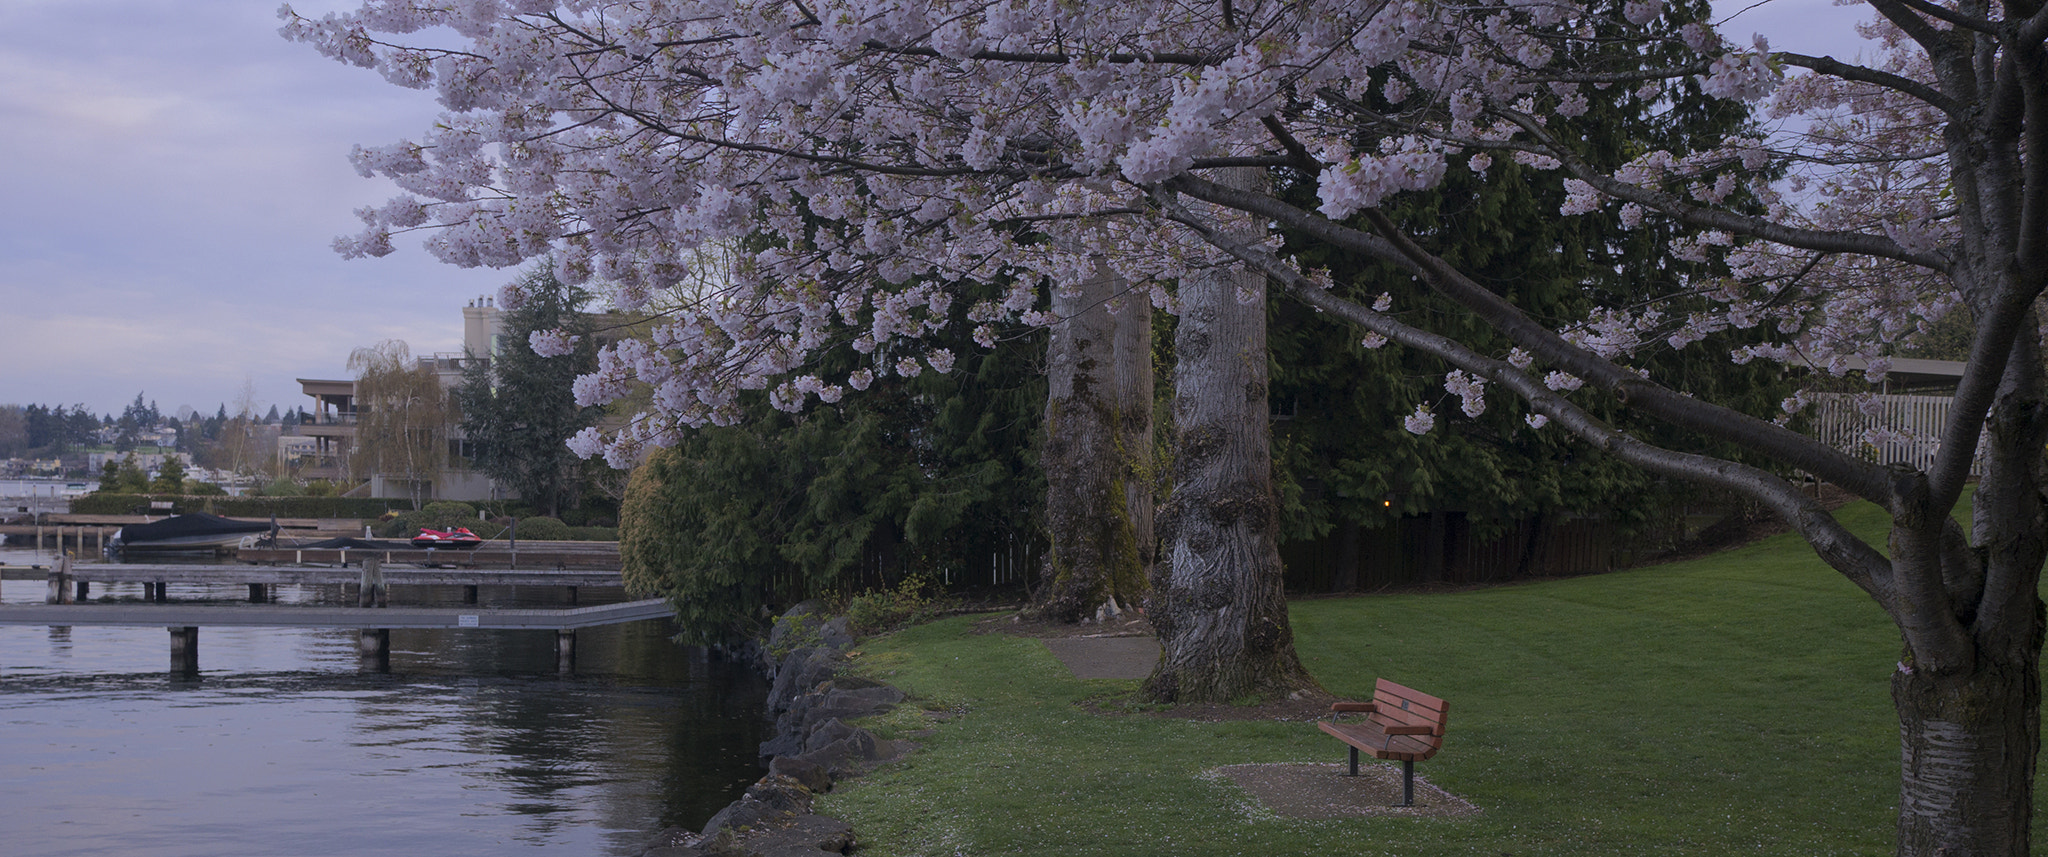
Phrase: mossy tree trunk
(1097, 454)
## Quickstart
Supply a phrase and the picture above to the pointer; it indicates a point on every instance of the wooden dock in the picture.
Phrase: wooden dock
(314, 574)
(373, 624)
(70, 583)
(288, 616)
(89, 533)
(528, 554)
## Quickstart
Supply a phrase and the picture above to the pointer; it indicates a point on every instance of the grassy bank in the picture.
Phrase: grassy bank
(1736, 704)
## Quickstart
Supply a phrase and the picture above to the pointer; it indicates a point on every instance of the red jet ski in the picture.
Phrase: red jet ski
(459, 537)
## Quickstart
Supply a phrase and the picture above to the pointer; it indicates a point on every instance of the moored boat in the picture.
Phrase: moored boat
(459, 537)
(196, 532)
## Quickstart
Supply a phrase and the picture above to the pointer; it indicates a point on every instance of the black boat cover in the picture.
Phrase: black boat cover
(185, 526)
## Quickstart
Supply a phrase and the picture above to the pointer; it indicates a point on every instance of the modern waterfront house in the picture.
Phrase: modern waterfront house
(327, 436)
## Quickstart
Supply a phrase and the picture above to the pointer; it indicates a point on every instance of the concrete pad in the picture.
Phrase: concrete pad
(1106, 657)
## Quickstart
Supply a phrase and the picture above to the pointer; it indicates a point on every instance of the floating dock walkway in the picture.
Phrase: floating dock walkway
(282, 616)
(372, 619)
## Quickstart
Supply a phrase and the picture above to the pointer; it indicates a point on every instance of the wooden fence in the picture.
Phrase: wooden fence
(1840, 421)
(1445, 548)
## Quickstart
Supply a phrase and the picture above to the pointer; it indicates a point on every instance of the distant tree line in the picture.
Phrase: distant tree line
(54, 431)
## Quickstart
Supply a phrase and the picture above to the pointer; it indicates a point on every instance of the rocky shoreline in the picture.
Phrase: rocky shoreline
(811, 749)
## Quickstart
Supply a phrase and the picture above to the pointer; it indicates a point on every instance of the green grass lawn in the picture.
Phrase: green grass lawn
(1736, 704)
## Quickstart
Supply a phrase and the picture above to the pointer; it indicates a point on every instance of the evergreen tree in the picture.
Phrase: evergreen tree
(40, 426)
(13, 430)
(136, 420)
(129, 477)
(1348, 462)
(81, 428)
(519, 408)
(922, 476)
(170, 476)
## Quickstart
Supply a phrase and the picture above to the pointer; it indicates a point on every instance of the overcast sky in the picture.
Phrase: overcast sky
(173, 173)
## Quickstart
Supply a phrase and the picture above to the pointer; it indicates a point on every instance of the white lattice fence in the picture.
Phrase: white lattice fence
(1907, 429)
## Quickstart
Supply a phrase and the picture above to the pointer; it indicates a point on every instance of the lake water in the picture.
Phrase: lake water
(472, 744)
(41, 495)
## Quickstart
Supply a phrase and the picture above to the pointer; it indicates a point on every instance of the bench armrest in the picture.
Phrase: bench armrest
(1353, 706)
(1409, 730)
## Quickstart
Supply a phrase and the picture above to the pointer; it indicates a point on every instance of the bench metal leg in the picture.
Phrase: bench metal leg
(1354, 761)
(1407, 783)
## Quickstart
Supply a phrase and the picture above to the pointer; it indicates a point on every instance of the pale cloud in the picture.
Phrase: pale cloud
(176, 172)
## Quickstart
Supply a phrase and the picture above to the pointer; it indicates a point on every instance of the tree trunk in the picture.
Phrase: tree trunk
(1137, 452)
(1968, 745)
(1968, 687)
(1098, 444)
(1219, 603)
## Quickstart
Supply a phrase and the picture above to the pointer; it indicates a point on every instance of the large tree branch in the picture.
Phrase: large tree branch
(1858, 476)
(1951, 16)
(1904, 17)
(2028, 63)
(2011, 311)
(1847, 71)
(2035, 28)
(1854, 558)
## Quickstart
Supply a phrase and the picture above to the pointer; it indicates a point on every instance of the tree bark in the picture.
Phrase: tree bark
(1219, 602)
(1139, 453)
(1968, 744)
(1097, 455)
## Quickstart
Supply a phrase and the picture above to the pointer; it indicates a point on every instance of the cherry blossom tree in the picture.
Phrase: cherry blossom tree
(1034, 142)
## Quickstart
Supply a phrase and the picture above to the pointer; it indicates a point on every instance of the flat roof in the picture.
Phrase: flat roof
(317, 387)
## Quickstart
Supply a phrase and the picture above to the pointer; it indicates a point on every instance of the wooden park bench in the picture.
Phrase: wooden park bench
(1401, 723)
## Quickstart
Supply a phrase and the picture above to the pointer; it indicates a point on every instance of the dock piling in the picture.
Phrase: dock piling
(373, 646)
(371, 592)
(60, 582)
(184, 649)
(565, 651)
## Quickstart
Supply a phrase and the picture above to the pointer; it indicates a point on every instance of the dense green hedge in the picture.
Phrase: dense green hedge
(242, 507)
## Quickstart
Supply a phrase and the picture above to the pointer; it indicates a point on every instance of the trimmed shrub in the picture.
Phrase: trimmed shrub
(594, 534)
(543, 529)
(440, 515)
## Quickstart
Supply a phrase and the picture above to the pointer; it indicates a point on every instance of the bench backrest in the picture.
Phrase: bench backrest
(1395, 705)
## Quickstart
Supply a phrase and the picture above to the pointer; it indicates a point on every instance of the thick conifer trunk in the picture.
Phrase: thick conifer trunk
(1136, 445)
(1098, 443)
(1219, 602)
